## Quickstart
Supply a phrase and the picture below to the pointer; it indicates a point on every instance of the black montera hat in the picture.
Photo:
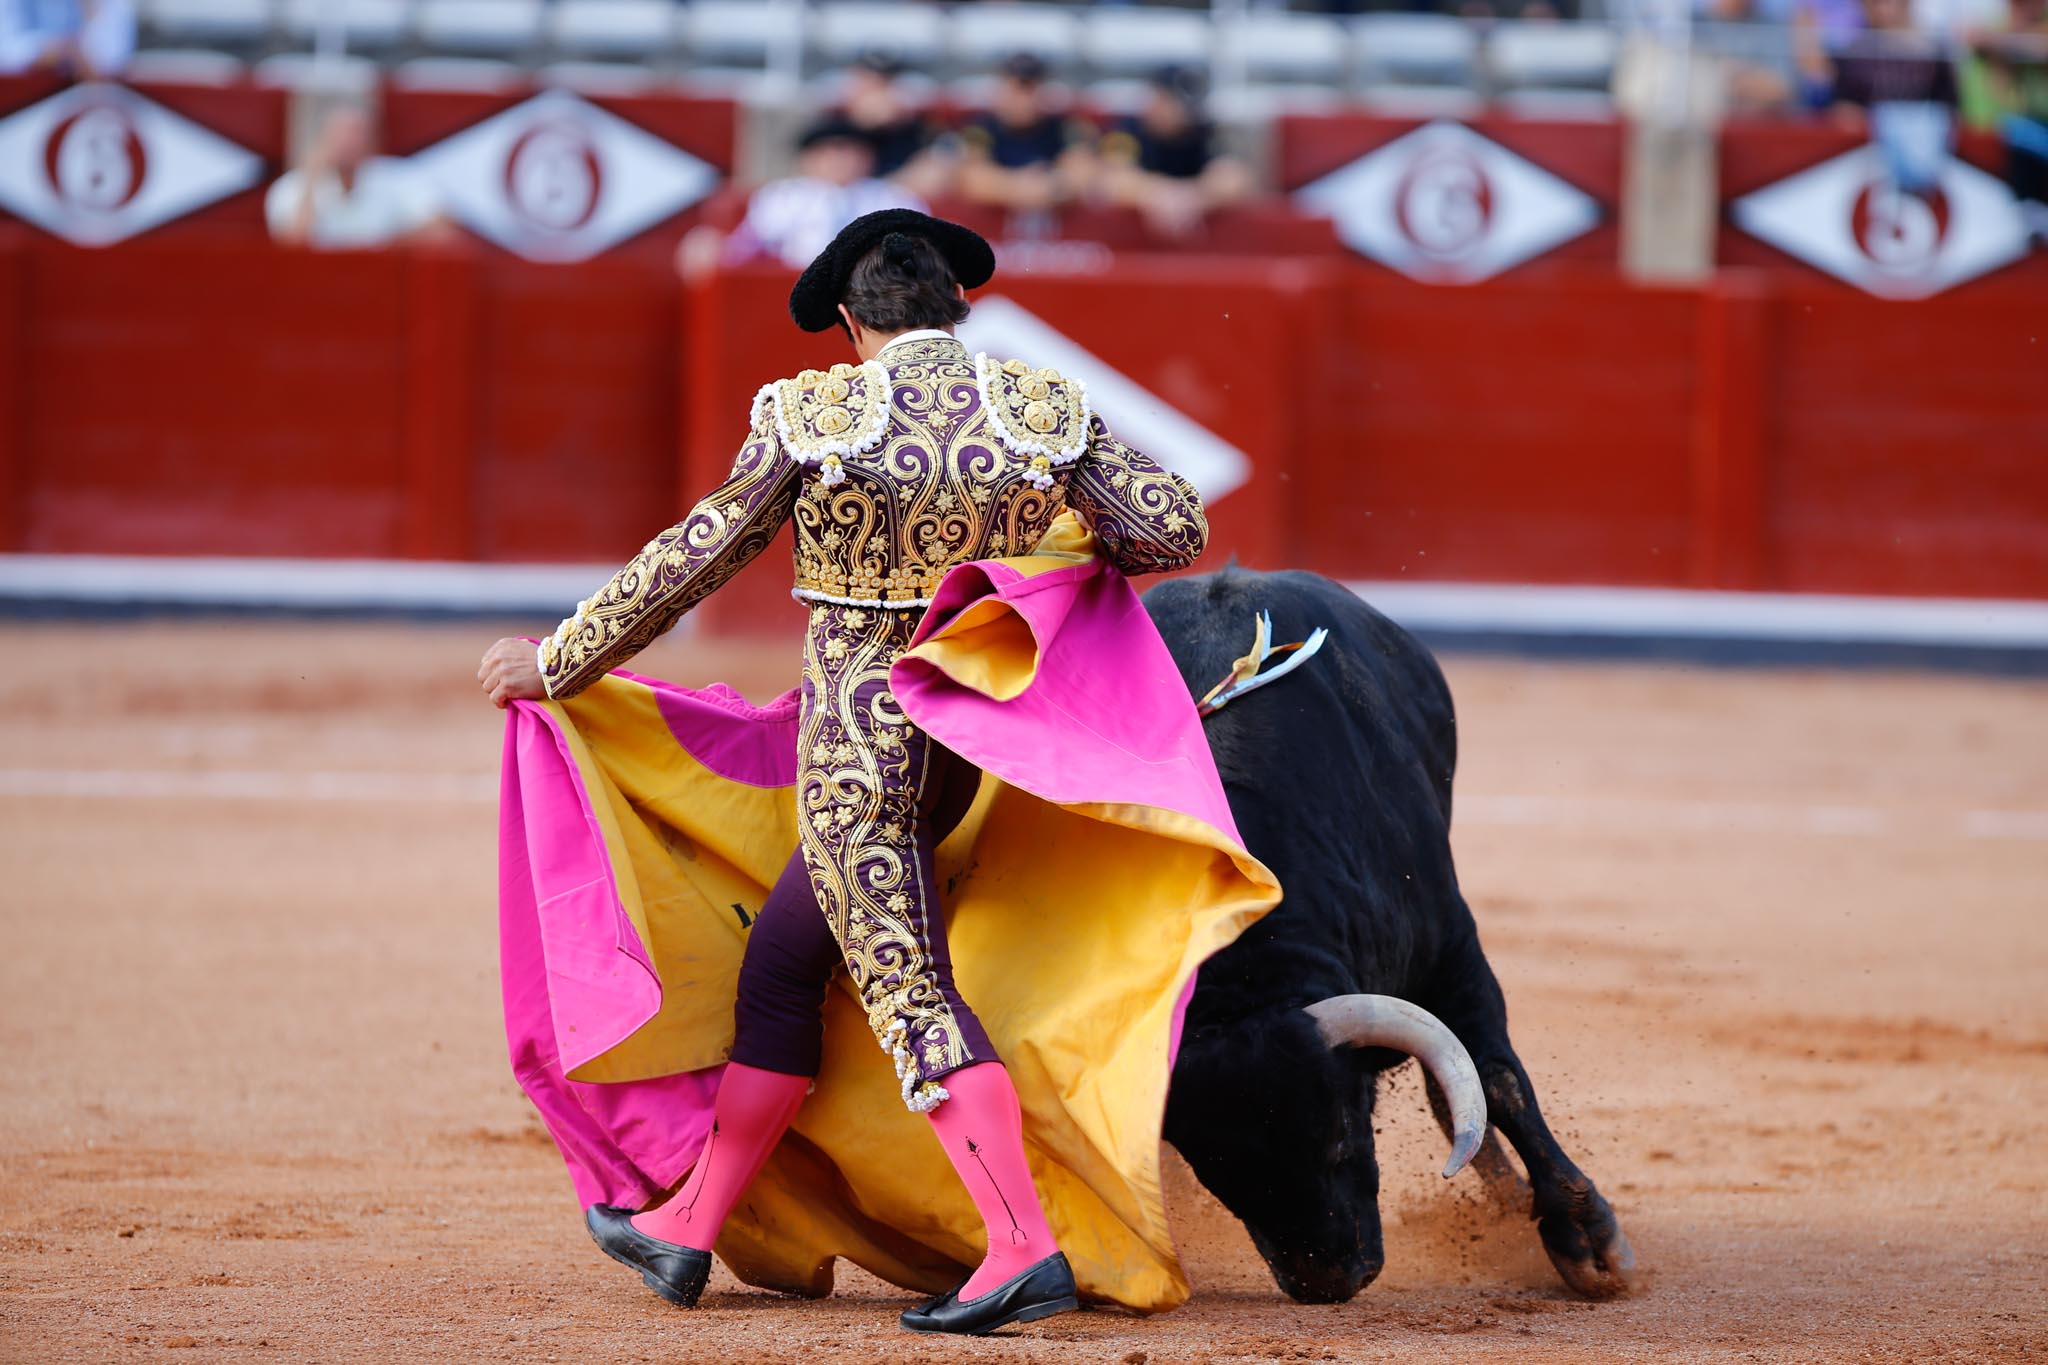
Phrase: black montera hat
(814, 302)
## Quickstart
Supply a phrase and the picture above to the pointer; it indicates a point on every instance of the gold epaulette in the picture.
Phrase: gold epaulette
(1038, 413)
(824, 415)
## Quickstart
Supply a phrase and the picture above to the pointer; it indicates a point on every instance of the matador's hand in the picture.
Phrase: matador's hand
(510, 673)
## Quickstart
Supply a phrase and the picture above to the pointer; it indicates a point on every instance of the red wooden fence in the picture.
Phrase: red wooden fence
(185, 396)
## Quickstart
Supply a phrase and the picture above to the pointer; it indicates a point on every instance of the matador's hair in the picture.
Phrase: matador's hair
(903, 282)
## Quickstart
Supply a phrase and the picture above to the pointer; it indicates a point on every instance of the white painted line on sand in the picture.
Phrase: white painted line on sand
(244, 785)
(550, 590)
(1654, 613)
(1679, 816)
(1581, 813)
(303, 584)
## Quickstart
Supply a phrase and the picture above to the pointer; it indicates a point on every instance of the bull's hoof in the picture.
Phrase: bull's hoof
(1608, 1273)
(1585, 1243)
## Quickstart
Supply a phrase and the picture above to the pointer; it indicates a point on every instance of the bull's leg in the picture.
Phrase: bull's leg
(1504, 1184)
(1580, 1233)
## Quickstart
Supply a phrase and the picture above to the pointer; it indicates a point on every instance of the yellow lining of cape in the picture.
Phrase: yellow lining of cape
(678, 876)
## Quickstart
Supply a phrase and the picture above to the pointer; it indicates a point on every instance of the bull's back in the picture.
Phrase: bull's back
(1372, 687)
(1339, 779)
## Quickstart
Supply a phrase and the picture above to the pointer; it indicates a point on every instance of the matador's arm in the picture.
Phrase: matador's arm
(1148, 518)
(677, 569)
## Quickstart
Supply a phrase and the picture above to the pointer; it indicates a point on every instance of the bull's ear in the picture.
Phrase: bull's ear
(1353, 1021)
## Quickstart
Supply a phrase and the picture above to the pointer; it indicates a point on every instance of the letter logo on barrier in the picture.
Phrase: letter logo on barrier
(1443, 203)
(96, 164)
(556, 178)
(1846, 216)
(1003, 327)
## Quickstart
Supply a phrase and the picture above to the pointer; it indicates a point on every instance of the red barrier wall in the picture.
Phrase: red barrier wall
(179, 396)
(179, 400)
(1908, 447)
(197, 398)
(1518, 430)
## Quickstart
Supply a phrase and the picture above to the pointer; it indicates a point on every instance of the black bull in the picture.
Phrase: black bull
(1339, 776)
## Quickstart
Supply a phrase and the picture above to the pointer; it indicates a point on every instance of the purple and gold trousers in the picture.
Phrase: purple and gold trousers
(876, 796)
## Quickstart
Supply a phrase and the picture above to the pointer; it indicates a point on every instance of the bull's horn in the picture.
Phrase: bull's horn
(1384, 1021)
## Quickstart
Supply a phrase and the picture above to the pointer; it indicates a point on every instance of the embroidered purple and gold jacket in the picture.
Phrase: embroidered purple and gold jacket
(895, 471)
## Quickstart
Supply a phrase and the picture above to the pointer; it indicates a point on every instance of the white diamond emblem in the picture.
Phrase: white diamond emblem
(1443, 203)
(558, 179)
(98, 163)
(1845, 216)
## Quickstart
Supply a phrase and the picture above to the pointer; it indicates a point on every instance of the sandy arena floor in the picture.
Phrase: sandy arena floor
(1775, 942)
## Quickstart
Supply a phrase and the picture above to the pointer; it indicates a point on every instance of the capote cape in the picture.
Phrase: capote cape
(642, 823)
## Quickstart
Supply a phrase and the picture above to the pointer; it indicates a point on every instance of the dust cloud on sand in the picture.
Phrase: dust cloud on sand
(1773, 943)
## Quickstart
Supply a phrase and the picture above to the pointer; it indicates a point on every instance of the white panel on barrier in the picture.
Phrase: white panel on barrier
(1444, 204)
(556, 178)
(1847, 217)
(96, 164)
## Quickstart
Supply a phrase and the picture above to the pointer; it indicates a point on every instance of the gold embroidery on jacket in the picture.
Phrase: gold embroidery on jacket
(1035, 413)
(940, 488)
(1148, 519)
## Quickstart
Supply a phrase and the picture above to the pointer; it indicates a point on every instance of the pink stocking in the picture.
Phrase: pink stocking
(982, 1129)
(748, 1118)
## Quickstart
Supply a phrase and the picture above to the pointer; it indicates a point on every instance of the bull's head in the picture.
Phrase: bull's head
(1275, 1117)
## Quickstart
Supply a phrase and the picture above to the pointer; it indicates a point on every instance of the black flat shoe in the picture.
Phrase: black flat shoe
(676, 1273)
(1041, 1291)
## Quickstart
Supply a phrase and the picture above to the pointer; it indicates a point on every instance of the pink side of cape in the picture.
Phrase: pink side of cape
(562, 934)
(1107, 720)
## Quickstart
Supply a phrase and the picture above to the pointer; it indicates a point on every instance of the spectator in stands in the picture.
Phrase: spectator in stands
(1164, 161)
(2005, 86)
(85, 38)
(1024, 154)
(793, 219)
(905, 143)
(1894, 77)
(344, 197)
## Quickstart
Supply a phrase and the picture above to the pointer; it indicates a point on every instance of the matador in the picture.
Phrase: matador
(919, 458)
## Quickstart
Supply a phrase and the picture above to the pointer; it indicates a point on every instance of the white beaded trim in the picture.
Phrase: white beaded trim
(897, 604)
(556, 642)
(1040, 477)
(825, 452)
(918, 1097)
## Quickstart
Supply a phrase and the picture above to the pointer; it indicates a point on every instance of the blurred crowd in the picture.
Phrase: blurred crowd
(1029, 154)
